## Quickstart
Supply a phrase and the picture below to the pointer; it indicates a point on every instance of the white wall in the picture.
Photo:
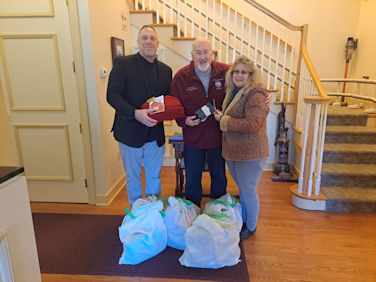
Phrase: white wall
(330, 22)
(365, 63)
(106, 21)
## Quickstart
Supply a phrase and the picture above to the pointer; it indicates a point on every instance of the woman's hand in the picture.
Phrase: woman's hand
(217, 115)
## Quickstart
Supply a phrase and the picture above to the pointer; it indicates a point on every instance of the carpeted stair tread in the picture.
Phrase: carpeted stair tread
(350, 193)
(350, 129)
(354, 148)
(349, 153)
(349, 199)
(349, 169)
(344, 111)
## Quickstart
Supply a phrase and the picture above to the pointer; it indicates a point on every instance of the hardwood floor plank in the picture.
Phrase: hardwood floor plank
(290, 244)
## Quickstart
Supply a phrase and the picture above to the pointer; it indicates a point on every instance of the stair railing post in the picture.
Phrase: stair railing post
(303, 154)
(321, 151)
(136, 5)
(303, 43)
(314, 146)
(308, 154)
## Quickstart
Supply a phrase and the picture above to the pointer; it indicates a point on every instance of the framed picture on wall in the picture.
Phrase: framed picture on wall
(117, 47)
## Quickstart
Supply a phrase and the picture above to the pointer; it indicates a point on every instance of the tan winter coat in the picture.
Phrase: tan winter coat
(243, 125)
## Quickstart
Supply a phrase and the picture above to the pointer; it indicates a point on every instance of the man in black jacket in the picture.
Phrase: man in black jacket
(133, 80)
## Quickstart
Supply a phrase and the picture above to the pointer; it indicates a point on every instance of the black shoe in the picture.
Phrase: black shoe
(246, 233)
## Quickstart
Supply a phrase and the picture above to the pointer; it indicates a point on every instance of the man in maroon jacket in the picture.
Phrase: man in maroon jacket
(195, 85)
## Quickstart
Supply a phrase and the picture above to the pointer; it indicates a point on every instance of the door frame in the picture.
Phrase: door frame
(81, 95)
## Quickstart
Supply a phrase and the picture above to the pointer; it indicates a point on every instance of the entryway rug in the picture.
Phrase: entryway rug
(85, 244)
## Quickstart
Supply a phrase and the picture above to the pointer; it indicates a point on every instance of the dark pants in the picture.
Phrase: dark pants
(194, 161)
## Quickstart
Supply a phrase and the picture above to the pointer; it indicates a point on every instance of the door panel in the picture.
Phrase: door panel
(39, 87)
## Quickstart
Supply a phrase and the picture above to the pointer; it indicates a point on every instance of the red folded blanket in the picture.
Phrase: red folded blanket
(172, 109)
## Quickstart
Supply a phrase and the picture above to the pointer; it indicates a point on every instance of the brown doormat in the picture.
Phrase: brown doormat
(89, 245)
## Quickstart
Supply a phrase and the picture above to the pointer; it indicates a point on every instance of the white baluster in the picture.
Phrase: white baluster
(227, 32)
(164, 12)
(143, 5)
(234, 44)
(242, 36)
(136, 4)
(157, 11)
(150, 8)
(199, 19)
(178, 18)
(277, 58)
(256, 43)
(207, 19)
(213, 28)
(291, 64)
(270, 53)
(193, 19)
(284, 67)
(220, 33)
(185, 19)
(171, 12)
(263, 45)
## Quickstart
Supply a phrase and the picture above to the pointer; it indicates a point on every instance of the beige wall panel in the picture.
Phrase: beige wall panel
(34, 60)
(26, 8)
(45, 151)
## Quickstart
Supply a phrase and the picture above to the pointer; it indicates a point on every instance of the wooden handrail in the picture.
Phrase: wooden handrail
(274, 16)
(313, 72)
(349, 80)
(316, 100)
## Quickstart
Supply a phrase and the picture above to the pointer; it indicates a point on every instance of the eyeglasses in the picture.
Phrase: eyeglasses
(242, 72)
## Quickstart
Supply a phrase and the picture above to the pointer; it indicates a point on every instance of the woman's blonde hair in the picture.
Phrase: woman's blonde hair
(254, 76)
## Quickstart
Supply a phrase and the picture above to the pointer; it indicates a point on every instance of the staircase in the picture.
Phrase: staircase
(348, 177)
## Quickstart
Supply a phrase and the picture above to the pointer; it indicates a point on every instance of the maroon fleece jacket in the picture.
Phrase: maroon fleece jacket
(187, 87)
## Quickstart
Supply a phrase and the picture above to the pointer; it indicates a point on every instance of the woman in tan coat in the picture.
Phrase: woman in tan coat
(244, 139)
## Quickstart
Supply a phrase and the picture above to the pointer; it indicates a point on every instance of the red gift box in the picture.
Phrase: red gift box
(172, 109)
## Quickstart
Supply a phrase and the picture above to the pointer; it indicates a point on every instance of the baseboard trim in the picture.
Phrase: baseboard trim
(105, 200)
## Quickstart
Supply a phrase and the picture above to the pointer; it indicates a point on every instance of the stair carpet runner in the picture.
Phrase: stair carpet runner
(348, 177)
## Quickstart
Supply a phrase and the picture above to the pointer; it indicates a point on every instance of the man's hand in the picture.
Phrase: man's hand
(142, 117)
(269, 99)
(192, 121)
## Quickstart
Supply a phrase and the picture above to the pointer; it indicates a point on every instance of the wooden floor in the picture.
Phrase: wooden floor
(290, 244)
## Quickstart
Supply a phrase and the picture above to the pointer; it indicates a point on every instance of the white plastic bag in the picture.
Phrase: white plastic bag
(179, 215)
(211, 243)
(143, 233)
(228, 205)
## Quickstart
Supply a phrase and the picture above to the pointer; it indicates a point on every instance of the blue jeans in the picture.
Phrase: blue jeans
(246, 175)
(152, 157)
(194, 160)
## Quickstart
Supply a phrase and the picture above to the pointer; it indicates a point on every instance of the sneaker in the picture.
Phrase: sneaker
(246, 233)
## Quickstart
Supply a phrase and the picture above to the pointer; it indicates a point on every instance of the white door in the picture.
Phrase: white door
(39, 87)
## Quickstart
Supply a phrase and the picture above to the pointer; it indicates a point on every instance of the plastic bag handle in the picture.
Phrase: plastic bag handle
(128, 212)
(223, 202)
